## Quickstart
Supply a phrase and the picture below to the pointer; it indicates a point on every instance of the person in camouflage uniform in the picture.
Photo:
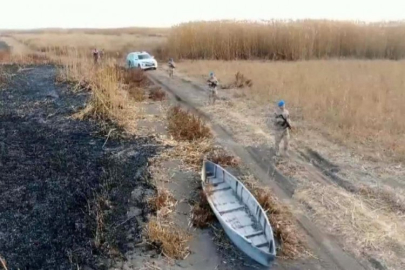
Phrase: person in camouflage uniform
(212, 84)
(282, 126)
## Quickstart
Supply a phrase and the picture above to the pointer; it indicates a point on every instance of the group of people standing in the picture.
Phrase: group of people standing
(212, 82)
(280, 119)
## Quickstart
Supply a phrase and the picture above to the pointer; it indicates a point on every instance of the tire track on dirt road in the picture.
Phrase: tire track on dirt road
(329, 253)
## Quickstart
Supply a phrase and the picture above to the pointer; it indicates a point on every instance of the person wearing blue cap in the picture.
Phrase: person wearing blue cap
(212, 85)
(282, 125)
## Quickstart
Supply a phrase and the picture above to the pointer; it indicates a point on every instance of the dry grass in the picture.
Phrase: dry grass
(136, 93)
(109, 92)
(221, 157)
(357, 100)
(169, 239)
(3, 76)
(157, 94)
(201, 213)
(282, 221)
(5, 56)
(163, 202)
(3, 263)
(135, 77)
(108, 100)
(185, 126)
(384, 197)
(20, 54)
(27, 59)
(368, 232)
(116, 46)
(280, 40)
(240, 82)
(192, 153)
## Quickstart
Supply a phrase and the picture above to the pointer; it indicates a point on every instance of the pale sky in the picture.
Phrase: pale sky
(23, 14)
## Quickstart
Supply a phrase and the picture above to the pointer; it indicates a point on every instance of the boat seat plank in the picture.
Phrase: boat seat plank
(229, 207)
(209, 174)
(249, 231)
(223, 197)
(220, 187)
(241, 222)
(262, 245)
(264, 248)
(258, 240)
(214, 180)
(231, 216)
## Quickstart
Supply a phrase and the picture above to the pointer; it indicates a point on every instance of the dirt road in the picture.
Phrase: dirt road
(328, 252)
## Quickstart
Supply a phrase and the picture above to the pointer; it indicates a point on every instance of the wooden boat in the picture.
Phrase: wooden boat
(241, 216)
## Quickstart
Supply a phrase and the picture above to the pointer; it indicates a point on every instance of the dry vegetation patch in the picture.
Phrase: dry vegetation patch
(133, 76)
(172, 241)
(163, 202)
(201, 213)
(286, 40)
(185, 126)
(240, 82)
(157, 94)
(368, 232)
(3, 76)
(219, 156)
(5, 56)
(379, 196)
(115, 45)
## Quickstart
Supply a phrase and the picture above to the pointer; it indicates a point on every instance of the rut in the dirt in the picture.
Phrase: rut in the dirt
(63, 198)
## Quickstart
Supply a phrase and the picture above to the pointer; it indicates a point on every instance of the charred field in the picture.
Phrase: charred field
(65, 186)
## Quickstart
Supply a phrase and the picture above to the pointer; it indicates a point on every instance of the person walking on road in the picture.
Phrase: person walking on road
(212, 88)
(282, 125)
(172, 66)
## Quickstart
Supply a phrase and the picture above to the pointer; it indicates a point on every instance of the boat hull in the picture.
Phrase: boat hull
(243, 243)
(254, 253)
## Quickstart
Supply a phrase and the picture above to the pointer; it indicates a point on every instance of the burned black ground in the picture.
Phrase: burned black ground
(63, 196)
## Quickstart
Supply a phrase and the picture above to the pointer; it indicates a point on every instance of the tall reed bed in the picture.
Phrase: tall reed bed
(286, 40)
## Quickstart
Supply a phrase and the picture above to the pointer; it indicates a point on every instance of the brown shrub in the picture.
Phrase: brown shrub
(5, 56)
(241, 81)
(157, 94)
(137, 93)
(186, 126)
(201, 213)
(107, 100)
(172, 241)
(36, 58)
(163, 201)
(134, 77)
(220, 157)
(2, 76)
